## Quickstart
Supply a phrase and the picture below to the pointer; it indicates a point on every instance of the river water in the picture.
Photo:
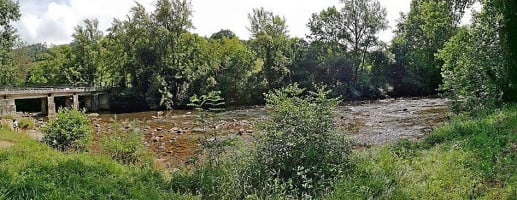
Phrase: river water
(174, 135)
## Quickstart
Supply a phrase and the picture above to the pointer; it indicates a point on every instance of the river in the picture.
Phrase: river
(173, 135)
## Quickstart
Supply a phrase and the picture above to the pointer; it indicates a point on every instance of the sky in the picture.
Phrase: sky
(53, 21)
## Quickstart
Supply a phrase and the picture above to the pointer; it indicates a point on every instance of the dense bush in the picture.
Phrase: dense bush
(299, 147)
(69, 130)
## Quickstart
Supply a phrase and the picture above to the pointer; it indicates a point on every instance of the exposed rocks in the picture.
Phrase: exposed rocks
(198, 130)
(174, 137)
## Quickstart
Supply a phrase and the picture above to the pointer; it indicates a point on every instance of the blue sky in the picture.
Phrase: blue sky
(53, 21)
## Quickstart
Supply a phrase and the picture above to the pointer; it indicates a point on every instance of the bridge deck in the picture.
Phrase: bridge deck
(43, 90)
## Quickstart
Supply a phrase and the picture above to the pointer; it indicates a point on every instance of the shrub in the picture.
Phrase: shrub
(26, 123)
(69, 130)
(299, 148)
(126, 146)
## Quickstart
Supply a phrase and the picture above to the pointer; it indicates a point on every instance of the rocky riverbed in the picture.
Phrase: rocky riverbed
(174, 136)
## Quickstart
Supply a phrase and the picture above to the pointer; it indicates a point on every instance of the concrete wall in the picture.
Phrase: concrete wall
(7, 107)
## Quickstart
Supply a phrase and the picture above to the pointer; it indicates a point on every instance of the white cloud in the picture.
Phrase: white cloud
(53, 21)
(55, 26)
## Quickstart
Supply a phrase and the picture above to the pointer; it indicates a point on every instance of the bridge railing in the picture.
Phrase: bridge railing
(44, 90)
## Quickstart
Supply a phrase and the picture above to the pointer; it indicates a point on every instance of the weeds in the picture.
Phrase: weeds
(126, 145)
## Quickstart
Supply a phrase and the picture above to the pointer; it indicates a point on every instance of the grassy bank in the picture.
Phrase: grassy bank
(31, 170)
(472, 157)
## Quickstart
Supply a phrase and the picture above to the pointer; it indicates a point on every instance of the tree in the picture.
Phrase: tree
(88, 50)
(427, 27)
(270, 43)
(353, 28)
(477, 70)
(9, 12)
(223, 33)
(508, 34)
(419, 35)
(54, 67)
(130, 49)
(233, 68)
(341, 41)
(158, 57)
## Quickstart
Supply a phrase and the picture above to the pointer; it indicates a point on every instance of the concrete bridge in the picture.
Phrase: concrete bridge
(95, 98)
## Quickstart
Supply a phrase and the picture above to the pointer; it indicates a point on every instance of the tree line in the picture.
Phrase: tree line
(155, 56)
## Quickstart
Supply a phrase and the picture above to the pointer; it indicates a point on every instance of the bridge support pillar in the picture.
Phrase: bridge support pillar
(7, 107)
(104, 102)
(51, 106)
(44, 104)
(76, 101)
(92, 103)
(68, 102)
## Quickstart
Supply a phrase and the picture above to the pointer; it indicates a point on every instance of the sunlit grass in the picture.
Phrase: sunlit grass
(31, 170)
(472, 157)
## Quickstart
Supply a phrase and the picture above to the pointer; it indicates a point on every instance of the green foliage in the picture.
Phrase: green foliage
(88, 61)
(353, 28)
(223, 33)
(125, 144)
(70, 130)
(211, 101)
(342, 52)
(212, 181)
(299, 154)
(214, 177)
(299, 147)
(26, 123)
(419, 36)
(9, 13)
(54, 67)
(475, 71)
(270, 43)
(234, 70)
(30, 170)
(208, 107)
(508, 37)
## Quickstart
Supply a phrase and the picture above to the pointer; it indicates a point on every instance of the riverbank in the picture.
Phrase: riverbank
(32, 170)
(471, 157)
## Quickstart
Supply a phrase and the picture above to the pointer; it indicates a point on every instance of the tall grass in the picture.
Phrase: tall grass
(472, 157)
(31, 170)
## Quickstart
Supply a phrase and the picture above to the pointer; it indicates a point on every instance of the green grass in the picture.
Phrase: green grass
(31, 170)
(472, 157)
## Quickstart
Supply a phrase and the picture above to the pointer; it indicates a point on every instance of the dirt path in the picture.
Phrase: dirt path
(391, 120)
